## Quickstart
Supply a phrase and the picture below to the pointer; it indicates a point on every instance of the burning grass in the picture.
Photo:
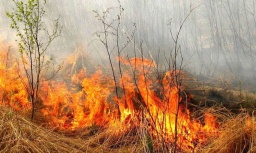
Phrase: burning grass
(18, 134)
(238, 135)
(92, 113)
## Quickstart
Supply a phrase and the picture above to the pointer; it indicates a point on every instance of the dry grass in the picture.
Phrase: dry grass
(114, 139)
(238, 135)
(18, 134)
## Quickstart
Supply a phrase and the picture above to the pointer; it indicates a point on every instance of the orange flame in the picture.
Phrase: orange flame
(141, 93)
(142, 98)
(12, 90)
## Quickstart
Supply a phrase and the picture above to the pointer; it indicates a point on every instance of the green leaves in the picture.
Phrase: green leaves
(27, 20)
(26, 17)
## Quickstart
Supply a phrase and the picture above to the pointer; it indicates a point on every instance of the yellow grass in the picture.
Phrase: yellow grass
(238, 135)
(19, 135)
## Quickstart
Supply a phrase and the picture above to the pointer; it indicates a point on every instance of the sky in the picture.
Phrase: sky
(216, 40)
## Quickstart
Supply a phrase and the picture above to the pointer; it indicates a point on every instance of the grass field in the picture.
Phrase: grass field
(236, 134)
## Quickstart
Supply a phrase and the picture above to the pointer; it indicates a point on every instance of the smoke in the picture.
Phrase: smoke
(217, 40)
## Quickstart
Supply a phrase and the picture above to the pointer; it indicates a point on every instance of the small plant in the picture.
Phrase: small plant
(34, 40)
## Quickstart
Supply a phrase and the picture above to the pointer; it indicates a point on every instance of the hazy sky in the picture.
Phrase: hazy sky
(219, 37)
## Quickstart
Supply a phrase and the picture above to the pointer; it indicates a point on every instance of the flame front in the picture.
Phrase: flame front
(12, 90)
(139, 98)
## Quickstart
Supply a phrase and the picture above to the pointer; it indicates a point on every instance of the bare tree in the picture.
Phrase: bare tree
(111, 31)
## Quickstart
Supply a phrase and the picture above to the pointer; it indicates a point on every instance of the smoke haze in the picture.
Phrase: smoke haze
(217, 40)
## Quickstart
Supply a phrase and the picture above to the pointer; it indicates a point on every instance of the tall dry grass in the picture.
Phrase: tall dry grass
(237, 135)
(19, 135)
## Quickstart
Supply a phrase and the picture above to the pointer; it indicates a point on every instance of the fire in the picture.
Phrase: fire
(12, 90)
(91, 99)
(143, 98)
